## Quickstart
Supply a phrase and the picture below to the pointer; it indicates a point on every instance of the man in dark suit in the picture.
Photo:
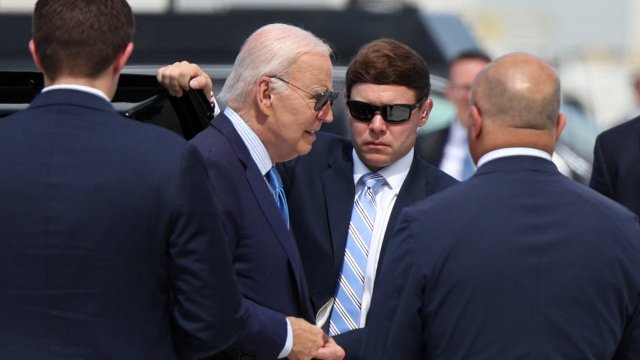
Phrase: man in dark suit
(278, 95)
(387, 91)
(111, 245)
(447, 148)
(616, 164)
(532, 266)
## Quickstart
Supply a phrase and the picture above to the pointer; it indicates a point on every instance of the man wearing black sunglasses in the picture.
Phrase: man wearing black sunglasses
(387, 91)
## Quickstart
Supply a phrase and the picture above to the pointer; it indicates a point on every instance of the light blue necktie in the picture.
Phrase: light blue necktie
(346, 309)
(278, 192)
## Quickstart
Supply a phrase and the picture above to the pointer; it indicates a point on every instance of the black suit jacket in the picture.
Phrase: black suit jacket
(616, 164)
(110, 245)
(518, 262)
(320, 193)
(265, 255)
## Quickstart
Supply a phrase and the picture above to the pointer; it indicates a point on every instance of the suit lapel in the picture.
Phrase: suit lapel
(339, 192)
(413, 189)
(267, 203)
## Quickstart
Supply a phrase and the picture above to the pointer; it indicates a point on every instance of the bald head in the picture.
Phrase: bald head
(515, 102)
(519, 91)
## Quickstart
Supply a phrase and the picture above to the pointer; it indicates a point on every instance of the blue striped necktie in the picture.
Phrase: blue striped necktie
(278, 192)
(346, 309)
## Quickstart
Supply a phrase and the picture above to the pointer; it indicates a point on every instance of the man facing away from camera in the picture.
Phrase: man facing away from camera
(533, 266)
(112, 245)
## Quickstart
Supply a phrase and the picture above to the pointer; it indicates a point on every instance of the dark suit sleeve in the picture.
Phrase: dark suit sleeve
(600, 178)
(207, 309)
(394, 327)
(629, 348)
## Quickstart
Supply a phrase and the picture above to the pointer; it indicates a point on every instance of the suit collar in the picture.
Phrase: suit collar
(512, 151)
(517, 162)
(71, 97)
(82, 88)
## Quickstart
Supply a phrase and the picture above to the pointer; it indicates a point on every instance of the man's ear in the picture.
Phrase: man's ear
(122, 59)
(264, 95)
(474, 121)
(34, 54)
(560, 124)
(425, 110)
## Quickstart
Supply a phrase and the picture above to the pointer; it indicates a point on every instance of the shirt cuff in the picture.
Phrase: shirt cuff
(214, 104)
(289, 344)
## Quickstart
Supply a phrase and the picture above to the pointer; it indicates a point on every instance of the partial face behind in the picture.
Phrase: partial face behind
(379, 143)
(294, 121)
(461, 76)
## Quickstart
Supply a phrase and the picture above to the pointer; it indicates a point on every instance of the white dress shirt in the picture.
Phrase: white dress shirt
(394, 175)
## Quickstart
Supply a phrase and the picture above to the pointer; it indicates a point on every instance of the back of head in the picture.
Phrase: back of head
(80, 38)
(270, 50)
(389, 62)
(518, 91)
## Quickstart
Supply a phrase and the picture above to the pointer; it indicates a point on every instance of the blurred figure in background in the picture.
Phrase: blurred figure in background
(634, 111)
(533, 265)
(111, 244)
(447, 148)
(278, 95)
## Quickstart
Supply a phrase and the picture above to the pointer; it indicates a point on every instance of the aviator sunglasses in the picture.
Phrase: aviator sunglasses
(322, 99)
(393, 114)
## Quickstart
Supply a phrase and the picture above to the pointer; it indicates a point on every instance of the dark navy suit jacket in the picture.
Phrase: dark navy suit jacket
(320, 193)
(264, 252)
(518, 262)
(616, 164)
(110, 245)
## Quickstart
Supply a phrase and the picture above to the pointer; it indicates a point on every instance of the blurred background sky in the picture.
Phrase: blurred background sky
(593, 44)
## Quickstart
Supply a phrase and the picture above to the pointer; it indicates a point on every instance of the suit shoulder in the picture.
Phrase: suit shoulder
(436, 177)
(626, 130)
(326, 142)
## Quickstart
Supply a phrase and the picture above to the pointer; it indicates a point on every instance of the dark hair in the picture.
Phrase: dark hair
(389, 62)
(470, 54)
(80, 37)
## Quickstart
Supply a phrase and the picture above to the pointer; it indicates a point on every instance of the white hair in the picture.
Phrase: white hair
(271, 50)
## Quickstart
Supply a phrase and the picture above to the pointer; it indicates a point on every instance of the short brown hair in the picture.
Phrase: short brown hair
(80, 37)
(389, 62)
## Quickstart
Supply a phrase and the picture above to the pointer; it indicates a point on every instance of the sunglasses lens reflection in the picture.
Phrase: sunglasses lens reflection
(390, 113)
(324, 98)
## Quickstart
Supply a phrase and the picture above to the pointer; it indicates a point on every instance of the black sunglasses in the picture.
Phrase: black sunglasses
(394, 114)
(322, 99)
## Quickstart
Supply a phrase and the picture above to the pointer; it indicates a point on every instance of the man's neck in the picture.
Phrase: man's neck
(103, 83)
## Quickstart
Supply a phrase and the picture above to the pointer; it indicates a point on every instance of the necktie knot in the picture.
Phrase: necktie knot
(274, 180)
(373, 181)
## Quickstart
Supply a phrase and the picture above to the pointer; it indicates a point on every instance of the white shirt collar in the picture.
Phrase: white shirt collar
(256, 148)
(76, 87)
(394, 174)
(513, 151)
